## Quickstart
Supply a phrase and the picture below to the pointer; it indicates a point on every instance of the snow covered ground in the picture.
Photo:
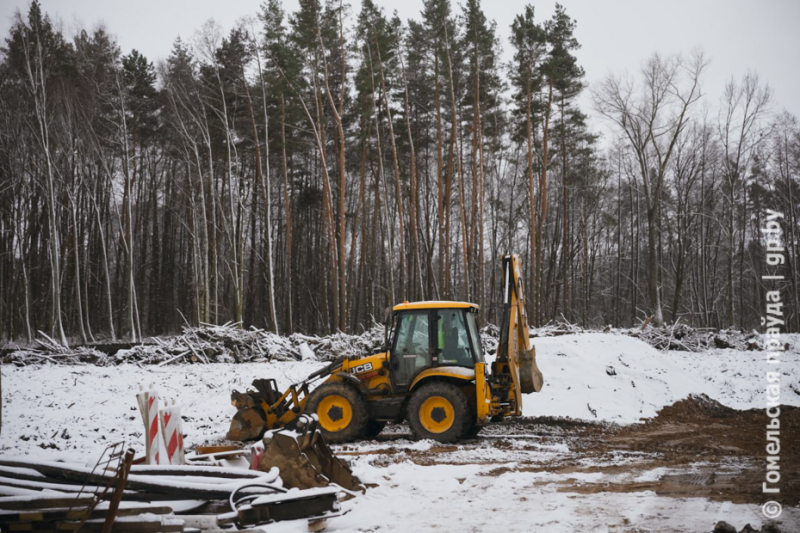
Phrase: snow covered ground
(72, 412)
(599, 376)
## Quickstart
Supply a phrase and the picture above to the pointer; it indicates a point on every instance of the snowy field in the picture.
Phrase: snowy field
(507, 481)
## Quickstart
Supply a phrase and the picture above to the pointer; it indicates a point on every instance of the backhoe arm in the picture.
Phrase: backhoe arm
(516, 356)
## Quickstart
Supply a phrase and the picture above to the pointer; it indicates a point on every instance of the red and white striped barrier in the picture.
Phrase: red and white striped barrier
(157, 427)
(173, 435)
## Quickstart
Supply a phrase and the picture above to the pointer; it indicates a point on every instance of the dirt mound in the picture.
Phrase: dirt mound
(698, 429)
(695, 405)
(703, 425)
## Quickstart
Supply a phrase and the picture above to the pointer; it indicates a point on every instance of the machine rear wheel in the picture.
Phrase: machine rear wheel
(341, 410)
(439, 411)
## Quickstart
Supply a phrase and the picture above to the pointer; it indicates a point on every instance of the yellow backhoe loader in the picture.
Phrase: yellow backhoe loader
(431, 373)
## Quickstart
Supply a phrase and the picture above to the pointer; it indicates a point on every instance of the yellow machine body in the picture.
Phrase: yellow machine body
(431, 373)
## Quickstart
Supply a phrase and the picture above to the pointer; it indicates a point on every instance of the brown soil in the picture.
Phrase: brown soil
(706, 449)
(732, 442)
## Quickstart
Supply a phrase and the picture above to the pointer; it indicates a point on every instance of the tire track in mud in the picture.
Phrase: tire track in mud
(693, 448)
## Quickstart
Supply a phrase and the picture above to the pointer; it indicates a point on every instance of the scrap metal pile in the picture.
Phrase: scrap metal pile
(292, 475)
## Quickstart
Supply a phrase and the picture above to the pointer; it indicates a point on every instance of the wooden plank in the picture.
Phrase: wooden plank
(52, 484)
(213, 450)
(52, 515)
(21, 503)
(127, 526)
(119, 488)
(11, 492)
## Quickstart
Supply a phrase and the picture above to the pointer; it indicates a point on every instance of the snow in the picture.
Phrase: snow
(459, 371)
(294, 494)
(75, 411)
(462, 498)
(606, 377)
(617, 378)
(306, 352)
(71, 412)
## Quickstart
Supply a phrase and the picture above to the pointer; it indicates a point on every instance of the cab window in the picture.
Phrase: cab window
(475, 337)
(453, 340)
(411, 350)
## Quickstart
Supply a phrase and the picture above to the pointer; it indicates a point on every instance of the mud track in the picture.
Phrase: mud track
(694, 448)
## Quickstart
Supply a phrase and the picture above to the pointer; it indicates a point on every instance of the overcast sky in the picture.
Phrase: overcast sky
(616, 35)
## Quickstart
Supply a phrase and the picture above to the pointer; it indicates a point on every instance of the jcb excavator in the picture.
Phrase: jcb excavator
(431, 373)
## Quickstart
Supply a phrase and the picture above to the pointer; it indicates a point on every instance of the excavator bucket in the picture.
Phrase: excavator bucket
(249, 422)
(304, 458)
(530, 377)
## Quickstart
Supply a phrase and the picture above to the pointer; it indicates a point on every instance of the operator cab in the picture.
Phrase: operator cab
(433, 334)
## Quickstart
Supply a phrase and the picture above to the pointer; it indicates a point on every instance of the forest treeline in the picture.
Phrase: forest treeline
(303, 171)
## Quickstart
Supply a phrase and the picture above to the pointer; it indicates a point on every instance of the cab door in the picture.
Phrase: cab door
(411, 347)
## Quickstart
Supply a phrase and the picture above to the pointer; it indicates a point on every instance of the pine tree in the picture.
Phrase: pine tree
(563, 76)
(528, 39)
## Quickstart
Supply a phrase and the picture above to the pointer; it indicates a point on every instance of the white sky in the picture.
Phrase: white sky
(616, 35)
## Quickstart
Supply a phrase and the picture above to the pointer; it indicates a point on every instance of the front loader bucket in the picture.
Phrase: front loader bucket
(249, 422)
(530, 377)
(304, 458)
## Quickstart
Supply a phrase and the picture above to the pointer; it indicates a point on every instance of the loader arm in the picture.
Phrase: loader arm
(514, 371)
(267, 408)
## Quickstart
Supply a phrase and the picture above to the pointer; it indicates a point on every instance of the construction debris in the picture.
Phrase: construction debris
(48, 350)
(678, 336)
(59, 496)
(228, 343)
(292, 475)
(312, 504)
(685, 338)
(304, 458)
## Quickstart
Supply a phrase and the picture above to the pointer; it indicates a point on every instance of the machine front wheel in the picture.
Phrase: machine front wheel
(341, 410)
(439, 411)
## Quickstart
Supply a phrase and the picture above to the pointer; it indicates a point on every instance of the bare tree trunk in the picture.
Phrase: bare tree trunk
(380, 189)
(460, 176)
(414, 203)
(340, 280)
(38, 89)
(443, 200)
(478, 187)
(534, 293)
(565, 207)
(288, 207)
(539, 310)
(366, 128)
(267, 190)
(398, 191)
(76, 251)
(127, 214)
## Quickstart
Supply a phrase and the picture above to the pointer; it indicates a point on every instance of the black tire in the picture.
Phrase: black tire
(474, 429)
(338, 394)
(441, 393)
(373, 429)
